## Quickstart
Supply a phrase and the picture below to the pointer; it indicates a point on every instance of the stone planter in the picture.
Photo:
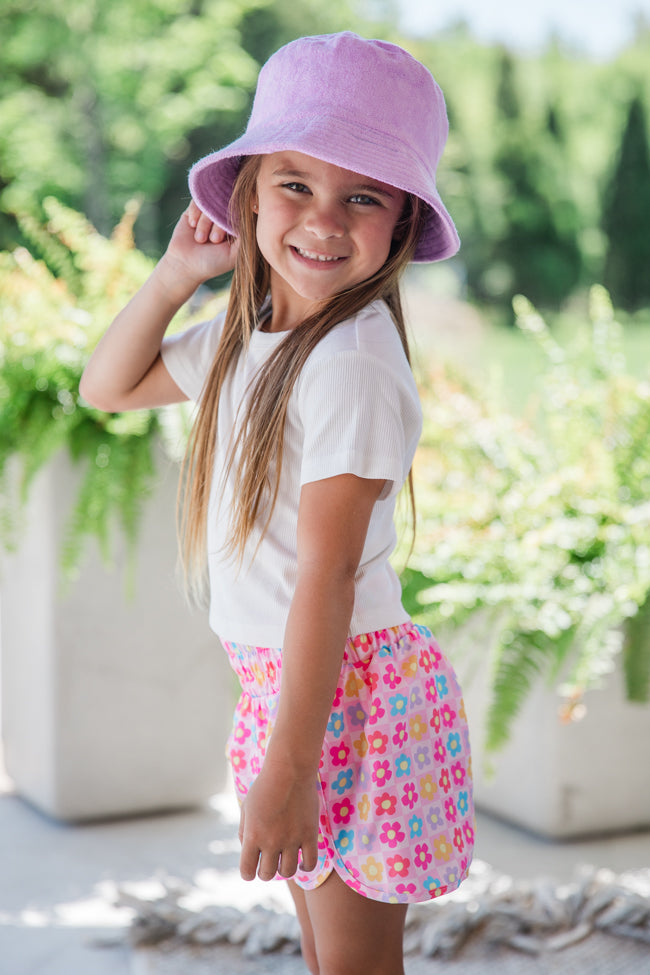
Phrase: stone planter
(561, 780)
(110, 706)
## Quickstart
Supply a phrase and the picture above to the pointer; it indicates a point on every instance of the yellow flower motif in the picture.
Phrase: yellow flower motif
(361, 745)
(461, 711)
(410, 666)
(428, 787)
(364, 808)
(470, 774)
(442, 848)
(353, 685)
(418, 727)
(373, 870)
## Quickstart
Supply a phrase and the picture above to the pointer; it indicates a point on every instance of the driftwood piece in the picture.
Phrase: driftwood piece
(532, 918)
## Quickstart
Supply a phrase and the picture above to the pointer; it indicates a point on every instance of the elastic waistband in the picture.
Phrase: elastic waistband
(259, 668)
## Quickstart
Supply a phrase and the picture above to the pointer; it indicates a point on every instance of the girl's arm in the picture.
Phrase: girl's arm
(280, 812)
(126, 372)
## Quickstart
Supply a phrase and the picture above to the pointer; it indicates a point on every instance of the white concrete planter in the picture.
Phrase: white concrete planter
(109, 707)
(562, 780)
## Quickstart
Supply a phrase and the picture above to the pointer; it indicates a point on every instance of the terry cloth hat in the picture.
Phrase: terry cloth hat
(364, 105)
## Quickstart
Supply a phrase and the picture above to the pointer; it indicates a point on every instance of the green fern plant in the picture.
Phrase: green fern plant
(56, 303)
(545, 529)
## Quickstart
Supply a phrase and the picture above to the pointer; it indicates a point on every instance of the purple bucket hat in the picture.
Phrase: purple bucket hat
(364, 105)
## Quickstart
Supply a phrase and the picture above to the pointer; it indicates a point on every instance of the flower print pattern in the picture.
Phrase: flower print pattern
(397, 818)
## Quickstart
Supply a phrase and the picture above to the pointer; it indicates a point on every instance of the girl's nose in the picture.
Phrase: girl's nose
(325, 221)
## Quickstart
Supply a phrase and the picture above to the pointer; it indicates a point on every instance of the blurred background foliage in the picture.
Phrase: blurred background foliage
(547, 171)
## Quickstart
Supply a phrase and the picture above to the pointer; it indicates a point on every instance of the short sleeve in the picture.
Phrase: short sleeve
(358, 417)
(188, 355)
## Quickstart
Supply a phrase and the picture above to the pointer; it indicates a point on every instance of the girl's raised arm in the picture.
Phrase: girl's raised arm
(126, 371)
(280, 812)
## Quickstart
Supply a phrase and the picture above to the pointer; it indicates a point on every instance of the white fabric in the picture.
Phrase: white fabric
(354, 409)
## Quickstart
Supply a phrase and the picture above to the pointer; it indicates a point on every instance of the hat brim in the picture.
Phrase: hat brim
(212, 178)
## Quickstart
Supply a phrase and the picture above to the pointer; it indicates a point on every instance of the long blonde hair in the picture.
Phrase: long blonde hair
(255, 456)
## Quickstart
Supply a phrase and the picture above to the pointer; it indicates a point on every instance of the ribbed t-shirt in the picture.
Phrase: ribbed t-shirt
(354, 409)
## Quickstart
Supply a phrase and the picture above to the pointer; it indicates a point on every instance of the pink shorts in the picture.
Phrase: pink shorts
(396, 810)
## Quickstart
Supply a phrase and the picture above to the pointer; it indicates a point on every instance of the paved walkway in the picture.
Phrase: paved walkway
(57, 883)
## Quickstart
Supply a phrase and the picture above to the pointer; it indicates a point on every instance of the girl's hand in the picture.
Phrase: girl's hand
(198, 250)
(279, 818)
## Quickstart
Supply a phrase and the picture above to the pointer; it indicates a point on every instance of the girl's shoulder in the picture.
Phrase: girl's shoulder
(371, 332)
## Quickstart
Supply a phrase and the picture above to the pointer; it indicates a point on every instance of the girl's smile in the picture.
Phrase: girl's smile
(322, 229)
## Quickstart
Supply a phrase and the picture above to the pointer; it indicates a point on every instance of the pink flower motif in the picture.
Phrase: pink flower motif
(439, 750)
(385, 804)
(392, 835)
(338, 697)
(341, 811)
(448, 716)
(458, 773)
(376, 711)
(398, 866)
(458, 839)
(407, 889)
(339, 753)
(401, 735)
(450, 810)
(469, 834)
(256, 765)
(241, 733)
(425, 661)
(391, 677)
(435, 721)
(377, 743)
(410, 795)
(372, 680)
(423, 856)
(431, 690)
(444, 781)
(381, 773)
(238, 759)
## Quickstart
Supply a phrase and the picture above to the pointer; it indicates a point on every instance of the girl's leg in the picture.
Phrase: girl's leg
(350, 934)
(307, 943)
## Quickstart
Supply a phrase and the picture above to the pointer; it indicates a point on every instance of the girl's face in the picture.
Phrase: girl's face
(322, 230)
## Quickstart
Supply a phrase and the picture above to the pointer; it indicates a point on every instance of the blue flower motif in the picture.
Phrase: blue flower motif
(441, 684)
(385, 652)
(336, 724)
(462, 803)
(403, 766)
(398, 704)
(432, 884)
(454, 745)
(343, 781)
(415, 825)
(345, 841)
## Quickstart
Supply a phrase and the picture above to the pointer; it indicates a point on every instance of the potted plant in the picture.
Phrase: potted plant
(114, 697)
(533, 560)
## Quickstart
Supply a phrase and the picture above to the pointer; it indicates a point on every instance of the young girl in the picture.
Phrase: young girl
(307, 425)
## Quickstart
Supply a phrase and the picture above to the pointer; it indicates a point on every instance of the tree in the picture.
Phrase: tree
(626, 215)
(98, 98)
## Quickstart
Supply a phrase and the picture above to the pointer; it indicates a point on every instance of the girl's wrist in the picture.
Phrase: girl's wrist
(173, 283)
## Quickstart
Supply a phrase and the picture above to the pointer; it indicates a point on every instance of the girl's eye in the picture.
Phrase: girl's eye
(296, 187)
(364, 200)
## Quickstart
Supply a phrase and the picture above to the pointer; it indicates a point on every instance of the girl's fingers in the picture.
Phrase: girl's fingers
(309, 856)
(203, 227)
(288, 863)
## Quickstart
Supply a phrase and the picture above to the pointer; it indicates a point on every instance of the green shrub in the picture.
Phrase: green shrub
(53, 311)
(546, 529)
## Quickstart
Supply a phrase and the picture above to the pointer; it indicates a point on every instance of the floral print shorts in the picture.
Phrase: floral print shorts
(396, 810)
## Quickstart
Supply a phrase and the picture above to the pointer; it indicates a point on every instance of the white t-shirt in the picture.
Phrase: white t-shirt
(354, 409)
